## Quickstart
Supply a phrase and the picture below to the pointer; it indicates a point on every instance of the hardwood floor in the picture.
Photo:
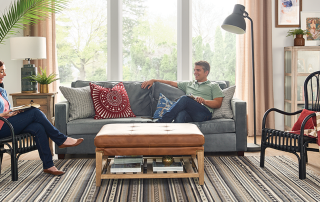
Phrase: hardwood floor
(313, 157)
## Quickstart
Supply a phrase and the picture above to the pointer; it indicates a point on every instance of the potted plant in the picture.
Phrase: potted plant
(299, 40)
(43, 80)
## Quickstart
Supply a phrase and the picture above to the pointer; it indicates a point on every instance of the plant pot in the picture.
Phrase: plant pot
(299, 40)
(44, 88)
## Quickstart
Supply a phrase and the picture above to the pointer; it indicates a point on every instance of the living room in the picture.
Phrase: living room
(183, 71)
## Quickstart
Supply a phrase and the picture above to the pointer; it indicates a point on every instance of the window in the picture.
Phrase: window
(210, 42)
(149, 40)
(149, 34)
(81, 36)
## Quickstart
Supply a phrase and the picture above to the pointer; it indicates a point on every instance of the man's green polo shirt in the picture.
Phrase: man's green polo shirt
(206, 90)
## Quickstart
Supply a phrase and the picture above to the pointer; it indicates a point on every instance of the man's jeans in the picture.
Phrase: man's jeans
(33, 121)
(186, 110)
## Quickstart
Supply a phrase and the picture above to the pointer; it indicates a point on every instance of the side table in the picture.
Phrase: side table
(45, 100)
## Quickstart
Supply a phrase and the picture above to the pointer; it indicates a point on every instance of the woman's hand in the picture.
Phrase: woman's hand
(9, 113)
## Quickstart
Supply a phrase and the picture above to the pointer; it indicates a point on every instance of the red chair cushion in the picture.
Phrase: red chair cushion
(310, 123)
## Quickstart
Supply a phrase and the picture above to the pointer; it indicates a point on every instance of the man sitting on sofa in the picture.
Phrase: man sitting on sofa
(207, 96)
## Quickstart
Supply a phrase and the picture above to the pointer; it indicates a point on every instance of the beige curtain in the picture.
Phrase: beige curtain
(46, 29)
(260, 12)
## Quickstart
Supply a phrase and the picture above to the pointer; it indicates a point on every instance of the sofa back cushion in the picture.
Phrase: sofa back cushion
(140, 99)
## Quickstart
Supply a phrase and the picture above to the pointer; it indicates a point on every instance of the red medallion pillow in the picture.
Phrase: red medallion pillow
(308, 125)
(111, 102)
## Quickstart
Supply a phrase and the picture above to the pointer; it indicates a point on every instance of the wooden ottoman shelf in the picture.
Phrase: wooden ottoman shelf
(158, 139)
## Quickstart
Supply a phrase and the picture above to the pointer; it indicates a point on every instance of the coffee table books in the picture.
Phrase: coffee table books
(159, 166)
(128, 159)
(126, 168)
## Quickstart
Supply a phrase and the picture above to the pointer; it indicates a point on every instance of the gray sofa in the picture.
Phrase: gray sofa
(221, 135)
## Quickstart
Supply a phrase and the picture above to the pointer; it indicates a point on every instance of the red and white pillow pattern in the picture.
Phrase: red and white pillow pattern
(111, 102)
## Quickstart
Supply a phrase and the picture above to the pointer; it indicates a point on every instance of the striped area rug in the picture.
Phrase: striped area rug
(226, 179)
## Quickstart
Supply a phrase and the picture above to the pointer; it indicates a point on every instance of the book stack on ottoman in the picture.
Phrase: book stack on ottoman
(127, 164)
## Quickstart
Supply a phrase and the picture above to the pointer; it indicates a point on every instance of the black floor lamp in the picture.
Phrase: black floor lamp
(236, 24)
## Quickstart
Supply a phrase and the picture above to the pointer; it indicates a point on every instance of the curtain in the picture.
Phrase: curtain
(46, 28)
(261, 14)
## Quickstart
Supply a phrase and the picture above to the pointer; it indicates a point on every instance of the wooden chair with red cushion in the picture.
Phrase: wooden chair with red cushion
(295, 141)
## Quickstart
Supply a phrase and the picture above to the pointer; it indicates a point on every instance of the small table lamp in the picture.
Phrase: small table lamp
(28, 48)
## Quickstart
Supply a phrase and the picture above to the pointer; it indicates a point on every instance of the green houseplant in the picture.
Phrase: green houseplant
(293, 32)
(299, 40)
(43, 79)
(27, 12)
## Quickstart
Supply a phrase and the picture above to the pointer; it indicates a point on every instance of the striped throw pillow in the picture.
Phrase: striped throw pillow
(80, 102)
(225, 110)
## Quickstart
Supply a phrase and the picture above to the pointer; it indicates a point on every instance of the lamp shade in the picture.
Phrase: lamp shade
(235, 22)
(28, 48)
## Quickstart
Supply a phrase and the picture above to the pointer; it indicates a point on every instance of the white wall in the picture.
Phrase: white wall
(279, 41)
(12, 81)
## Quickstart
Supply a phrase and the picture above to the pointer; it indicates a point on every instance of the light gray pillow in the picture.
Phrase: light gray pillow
(81, 105)
(225, 110)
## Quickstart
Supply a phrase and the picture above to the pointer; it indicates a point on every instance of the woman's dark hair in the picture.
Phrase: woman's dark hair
(1, 64)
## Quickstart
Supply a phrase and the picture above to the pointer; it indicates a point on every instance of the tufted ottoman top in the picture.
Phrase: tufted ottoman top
(146, 135)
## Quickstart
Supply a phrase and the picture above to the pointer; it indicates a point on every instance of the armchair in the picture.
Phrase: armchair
(288, 141)
(20, 144)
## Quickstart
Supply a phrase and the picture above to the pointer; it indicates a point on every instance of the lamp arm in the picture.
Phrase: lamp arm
(246, 15)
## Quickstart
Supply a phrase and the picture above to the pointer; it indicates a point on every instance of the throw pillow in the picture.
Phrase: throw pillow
(81, 105)
(111, 102)
(225, 110)
(308, 125)
(163, 106)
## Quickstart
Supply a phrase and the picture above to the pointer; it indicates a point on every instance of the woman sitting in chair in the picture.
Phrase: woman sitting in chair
(33, 121)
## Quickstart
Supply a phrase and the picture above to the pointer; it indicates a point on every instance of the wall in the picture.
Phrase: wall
(279, 41)
(12, 81)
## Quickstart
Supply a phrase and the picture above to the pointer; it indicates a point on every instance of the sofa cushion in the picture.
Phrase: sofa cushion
(225, 110)
(163, 106)
(171, 93)
(111, 102)
(93, 126)
(81, 105)
(215, 126)
(140, 99)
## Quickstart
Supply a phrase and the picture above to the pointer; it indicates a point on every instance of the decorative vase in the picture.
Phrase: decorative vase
(167, 160)
(44, 88)
(299, 40)
(26, 85)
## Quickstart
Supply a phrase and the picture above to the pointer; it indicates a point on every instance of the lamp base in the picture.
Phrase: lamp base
(251, 147)
(26, 85)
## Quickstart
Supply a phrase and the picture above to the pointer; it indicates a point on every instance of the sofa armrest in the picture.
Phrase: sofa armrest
(62, 116)
(239, 109)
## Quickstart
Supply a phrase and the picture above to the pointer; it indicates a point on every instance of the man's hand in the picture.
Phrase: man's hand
(200, 100)
(148, 84)
(10, 113)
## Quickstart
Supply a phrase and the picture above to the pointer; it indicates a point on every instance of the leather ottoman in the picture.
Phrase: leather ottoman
(156, 139)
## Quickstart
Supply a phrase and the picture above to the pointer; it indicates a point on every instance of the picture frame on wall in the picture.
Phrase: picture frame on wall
(311, 21)
(288, 13)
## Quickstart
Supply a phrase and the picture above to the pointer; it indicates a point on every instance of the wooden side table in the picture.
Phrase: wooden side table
(45, 100)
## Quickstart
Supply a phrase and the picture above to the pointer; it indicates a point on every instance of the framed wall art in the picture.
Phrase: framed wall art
(311, 21)
(288, 13)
